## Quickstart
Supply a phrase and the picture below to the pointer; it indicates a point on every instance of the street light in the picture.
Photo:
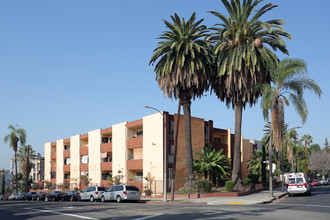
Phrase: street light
(282, 161)
(165, 149)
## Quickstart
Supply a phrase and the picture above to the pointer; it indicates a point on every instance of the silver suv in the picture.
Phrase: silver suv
(92, 193)
(121, 192)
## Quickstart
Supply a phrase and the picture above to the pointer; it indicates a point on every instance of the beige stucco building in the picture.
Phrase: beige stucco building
(132, 150)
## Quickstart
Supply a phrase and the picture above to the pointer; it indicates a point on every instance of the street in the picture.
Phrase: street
(316, 206)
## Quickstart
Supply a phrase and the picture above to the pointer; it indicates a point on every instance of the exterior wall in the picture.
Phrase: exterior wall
(153, 148)
(119, 149)
(197, 136)
(94, 152)
(75, 160)
(59, 161)
(247, 152)
(47, 161)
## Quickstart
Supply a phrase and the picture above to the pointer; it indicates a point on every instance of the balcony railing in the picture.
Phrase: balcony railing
(83, 150)
(135, 143)
(135, 164)
(107, 147)
(84, 167)
(66, 153)
(53, 155)
(66, 168)
(106, 165)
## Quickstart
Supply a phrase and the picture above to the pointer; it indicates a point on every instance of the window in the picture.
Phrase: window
(172, 130)
(84, 159)
(292, 180)
(132, 188)
(106, 175)
(53, 175)
(83, 173)
(66, 147)
(300, 180)
(139, 133)
(217, 140)
(67, 161)
(67, 176)
(206, 133)
(171, 154)
(139, 176)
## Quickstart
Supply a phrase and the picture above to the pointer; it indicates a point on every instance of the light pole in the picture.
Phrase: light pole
(165, 149)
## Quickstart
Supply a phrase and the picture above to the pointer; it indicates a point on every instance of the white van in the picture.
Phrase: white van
(298, 184)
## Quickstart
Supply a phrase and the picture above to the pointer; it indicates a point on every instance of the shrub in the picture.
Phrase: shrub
(247, 181)
(229, 185)
(254, 178)
(205, 185)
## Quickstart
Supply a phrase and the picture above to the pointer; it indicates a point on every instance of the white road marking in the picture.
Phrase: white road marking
(150, 216)
(323, 206)
(61, 213)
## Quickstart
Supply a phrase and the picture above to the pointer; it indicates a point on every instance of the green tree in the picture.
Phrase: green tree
(288, 79)
(183, 67)
(255, 164)
(243, 59)
(24, 156)
(211, 163)
(16, 135)
(313, 147)
(3, 182)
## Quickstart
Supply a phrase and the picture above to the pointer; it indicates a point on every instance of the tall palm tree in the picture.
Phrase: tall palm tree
(289, 79)
(24, 155)
(16, 135)
(211, 162)
(308, 139)
(290, 139)
(243, 59)
(183, 67)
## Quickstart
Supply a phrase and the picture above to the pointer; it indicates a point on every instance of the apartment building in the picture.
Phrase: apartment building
(132, 150)
(38, 168)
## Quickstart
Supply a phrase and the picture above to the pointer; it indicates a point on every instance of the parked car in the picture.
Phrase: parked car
(5, 197)
(21, 196)
(12, 196)
(92, 193)
(54, 196)
(70, 196)
(39, 196)
(298, 184)
(326, 181)
(322, 181)
(315, 182)
(121, 192)
(1, 197)
(29, 195)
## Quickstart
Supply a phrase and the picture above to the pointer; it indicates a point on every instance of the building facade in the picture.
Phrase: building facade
(131, 150)
(38, 169)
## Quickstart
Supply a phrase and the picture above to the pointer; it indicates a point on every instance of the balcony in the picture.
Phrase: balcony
(135, 143)
(53, 181)
(106, 165)
(66, 168)
(53, 168)
(217, 147)
(53, 156)
(66, 153)
(84, 167)
(107, 147)
(83, 150)
(135, 164)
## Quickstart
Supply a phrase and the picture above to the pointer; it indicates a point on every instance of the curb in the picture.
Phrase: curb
(177, 203)
(274, 199)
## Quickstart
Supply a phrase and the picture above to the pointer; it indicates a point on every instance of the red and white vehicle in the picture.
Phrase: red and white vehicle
(298, 184)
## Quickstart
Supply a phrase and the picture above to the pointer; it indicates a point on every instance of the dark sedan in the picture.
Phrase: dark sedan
(39, 196)
(70, 196)
(54, 196)
(21, 196)
(29, 195)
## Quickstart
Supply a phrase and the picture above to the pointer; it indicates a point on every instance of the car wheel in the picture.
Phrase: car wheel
(92, 199)
(119, 199)
(102, 199)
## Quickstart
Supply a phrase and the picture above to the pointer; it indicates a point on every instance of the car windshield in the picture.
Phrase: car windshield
(101, 188)
(292, 180)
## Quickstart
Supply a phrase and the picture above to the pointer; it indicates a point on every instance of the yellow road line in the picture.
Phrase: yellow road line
(236, 203)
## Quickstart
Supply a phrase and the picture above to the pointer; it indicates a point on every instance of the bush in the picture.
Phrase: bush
(254, 178)
(205, 185)
(229, 185)
(247, 181)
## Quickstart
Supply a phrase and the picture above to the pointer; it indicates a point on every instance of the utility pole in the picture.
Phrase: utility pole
(27, 167)
(270, 149)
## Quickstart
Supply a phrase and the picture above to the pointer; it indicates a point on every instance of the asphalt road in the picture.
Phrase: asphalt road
(316, 206)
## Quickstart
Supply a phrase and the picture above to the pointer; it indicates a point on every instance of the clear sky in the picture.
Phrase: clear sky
(71, 66)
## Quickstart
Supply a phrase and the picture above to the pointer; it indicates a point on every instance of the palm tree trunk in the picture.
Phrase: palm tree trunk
(236, 173)
(16, 181)
(187, 125)
(270, 149)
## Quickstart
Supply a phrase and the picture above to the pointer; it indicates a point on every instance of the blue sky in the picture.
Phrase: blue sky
(69, 67)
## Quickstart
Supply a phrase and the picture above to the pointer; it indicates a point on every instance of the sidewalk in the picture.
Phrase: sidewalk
(255, 198)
